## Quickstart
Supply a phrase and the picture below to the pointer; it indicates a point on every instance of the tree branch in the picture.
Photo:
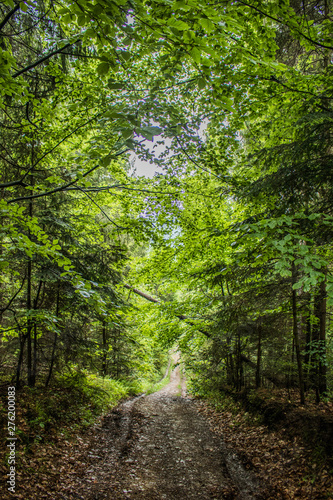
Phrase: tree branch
(21, 181)
(42, 59)
(96, 189)
(13, 183)
(13, 298)
(155, 301)
(285, 23)
(99, 207)
(9, 15)
(195, 163)
(60, 142)
(61, 188)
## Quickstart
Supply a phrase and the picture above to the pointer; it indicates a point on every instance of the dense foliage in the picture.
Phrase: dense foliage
(233, 236)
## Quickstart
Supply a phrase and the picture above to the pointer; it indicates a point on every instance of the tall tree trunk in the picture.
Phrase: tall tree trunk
(258, 368)
(104, 359)
(20, 360)
(231, 376)
(55, 339)
(29, 326)
(31, 381)
(322, 359)
(296, 338)
(307, 357)
(34, 365)
(319, 340)
(239, 362)
(229, 363)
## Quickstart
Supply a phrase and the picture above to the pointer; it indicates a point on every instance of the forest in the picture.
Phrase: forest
(166, 175)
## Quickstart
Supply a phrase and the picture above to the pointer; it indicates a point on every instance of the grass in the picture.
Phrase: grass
(157, 386)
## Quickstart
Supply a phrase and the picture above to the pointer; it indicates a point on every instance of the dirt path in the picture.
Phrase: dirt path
(159, 447)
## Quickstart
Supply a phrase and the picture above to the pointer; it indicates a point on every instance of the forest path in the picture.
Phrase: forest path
(159, 447)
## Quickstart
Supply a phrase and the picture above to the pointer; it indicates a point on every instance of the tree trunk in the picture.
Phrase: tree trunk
(296, 338)
(319, 341)
(55, 339)
(322, 330)
(31, 381)
(34, 366)
(307, 357)
(104, 359)
(20, 360)
(264, 373)
(239, 363)
(258, 368)
(29, 327)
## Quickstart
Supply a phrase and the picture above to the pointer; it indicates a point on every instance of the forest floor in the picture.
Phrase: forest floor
(168, 446)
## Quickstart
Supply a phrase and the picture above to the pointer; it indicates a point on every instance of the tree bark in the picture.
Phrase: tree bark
(34, 365)
(258, 368)
(55, 339)
(20, 360)
(319, 341)
(296, 337)
(29, 326)
(264, 373)
(31, 381)
(104, 359)
(308, 337)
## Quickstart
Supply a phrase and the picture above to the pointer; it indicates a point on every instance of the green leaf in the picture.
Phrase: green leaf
(106, 161)
(196, 55)
(126, 132)
(178, 24)
(147, 135)
(103, 68)
(116, 86)
(81, 20)
(67, 18)
(125, 55)
(97, 9)
(130, 143)
(149, 132)
(207, 25)
(228, 103)
(182, 6)
(152, 130)
(314, 216)
(201, 83)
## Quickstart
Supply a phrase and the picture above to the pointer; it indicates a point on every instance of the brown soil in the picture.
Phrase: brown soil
(163, 446)
(169, 446)
(158, 447)
(281, 453)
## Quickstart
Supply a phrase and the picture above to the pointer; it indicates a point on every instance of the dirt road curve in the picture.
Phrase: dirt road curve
(159, 447)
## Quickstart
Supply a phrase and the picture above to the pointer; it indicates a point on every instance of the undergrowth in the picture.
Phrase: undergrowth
(69, 406)
(157, 386)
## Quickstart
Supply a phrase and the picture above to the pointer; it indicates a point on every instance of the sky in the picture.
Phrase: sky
(147, 169)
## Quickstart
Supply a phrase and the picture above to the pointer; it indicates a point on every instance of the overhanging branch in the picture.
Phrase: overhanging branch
(61, 188)
(42, 59)
(9, 15)
(245, 359)
(155, 301)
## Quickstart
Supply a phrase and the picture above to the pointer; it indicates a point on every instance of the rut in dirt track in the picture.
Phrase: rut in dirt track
(159, 447)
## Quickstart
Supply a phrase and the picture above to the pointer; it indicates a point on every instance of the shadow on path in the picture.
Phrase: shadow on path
(159, 447)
